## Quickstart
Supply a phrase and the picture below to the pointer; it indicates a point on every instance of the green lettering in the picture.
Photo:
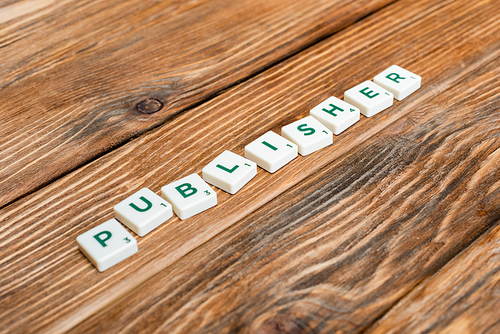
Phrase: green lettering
(270, 146)
(148, 205)
(100, 240)
(331, 111)
(308, 131)
(367, 94)
(227, 169)
(394, 77)
(186, 190)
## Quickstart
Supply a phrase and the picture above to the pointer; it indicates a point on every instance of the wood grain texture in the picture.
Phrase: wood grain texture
(73, 71)
(335, 252)
(464, 297)
(46, 283)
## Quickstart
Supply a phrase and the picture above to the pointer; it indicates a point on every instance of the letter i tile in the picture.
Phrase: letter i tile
(370, 98)
(229, 172)
(107, 244)
(189, 196)
(271, 151)
(143, 211)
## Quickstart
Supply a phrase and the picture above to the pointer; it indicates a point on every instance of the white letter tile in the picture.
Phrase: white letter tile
(143, 211)
(398, 81)
(229, 172)
(107, 244)
(369, 98)
(271, 151)
(189, 196)
(309, 135)
(335, 114)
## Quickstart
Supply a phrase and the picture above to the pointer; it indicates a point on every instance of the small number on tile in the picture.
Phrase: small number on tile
(189, 196)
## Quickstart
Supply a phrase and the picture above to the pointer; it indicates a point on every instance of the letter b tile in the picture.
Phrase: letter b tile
(107, 244)
(189, 196)
(143, 211)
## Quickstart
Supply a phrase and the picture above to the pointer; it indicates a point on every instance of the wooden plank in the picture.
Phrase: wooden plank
(46, 283)
(464, 297)
(73, 71)
(335, 252)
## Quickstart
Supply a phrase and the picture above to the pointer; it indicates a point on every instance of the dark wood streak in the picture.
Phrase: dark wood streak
(48, 286)
(463, 297)
(73, 71)
(338, 250)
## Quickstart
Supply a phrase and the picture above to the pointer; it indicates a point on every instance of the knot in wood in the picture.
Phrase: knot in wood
(149, 106)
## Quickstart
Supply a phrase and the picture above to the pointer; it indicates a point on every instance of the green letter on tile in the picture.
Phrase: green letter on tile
(395, 77)
(367, 94)
(227, 169)
(308, 131)
(148, 205)
(100, 240)
(331, 111)
(186, 190)
(270, 146)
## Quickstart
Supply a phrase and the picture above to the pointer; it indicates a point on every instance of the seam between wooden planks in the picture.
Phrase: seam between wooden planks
(203, 100)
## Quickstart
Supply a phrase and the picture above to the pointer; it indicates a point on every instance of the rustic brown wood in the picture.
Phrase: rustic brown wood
(46, 283)
(73, 71)
(464, 297)
(336, 251)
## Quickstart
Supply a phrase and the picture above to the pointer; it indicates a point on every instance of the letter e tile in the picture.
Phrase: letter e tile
(370, 98)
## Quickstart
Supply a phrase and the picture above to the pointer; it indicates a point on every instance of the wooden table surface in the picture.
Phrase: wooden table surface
(395, 228)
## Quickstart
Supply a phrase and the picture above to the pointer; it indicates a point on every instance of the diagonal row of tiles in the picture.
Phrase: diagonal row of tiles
(110, 243)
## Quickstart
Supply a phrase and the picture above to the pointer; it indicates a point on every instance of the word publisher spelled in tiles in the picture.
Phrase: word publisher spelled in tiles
(142, 212)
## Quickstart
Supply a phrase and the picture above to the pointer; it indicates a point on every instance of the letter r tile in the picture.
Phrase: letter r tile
(399, 81)
(143, 211)
(107, 244)
(189, 196)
